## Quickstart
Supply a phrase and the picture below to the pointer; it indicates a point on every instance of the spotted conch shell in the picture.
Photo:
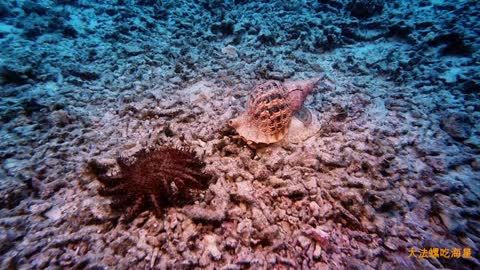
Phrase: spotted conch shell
(270, 110)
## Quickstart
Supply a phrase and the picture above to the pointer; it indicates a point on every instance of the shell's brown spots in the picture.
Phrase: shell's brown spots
(270, 110)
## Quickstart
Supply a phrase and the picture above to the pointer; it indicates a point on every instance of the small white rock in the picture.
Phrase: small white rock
(317, 252)
(211, 247)
(54, 213)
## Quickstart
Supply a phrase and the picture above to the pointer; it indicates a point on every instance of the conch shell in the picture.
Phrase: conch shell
(271, 107)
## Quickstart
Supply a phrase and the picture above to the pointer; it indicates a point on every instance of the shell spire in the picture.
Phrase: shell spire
(299, 90)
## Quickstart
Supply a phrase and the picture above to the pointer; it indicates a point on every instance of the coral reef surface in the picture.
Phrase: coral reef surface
(389, 181)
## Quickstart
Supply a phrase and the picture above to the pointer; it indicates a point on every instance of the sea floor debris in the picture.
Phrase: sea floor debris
(390, 178)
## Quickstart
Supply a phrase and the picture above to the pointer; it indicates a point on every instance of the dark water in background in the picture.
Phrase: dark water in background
(72, 73)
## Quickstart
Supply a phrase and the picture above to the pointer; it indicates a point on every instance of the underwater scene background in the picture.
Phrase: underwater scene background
(118, 150)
